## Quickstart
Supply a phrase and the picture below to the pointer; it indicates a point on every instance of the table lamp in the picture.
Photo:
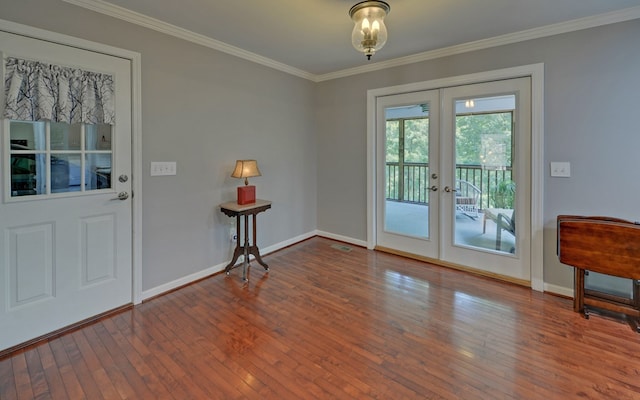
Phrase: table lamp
(246, 169)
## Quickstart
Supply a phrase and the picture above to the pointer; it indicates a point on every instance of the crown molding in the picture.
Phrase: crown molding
(626, 14)
(122, 13)
(173, 30)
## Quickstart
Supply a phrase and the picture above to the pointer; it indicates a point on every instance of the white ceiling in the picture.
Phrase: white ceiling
(313, 37)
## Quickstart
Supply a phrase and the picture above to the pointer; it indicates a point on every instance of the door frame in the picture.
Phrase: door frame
(136, 129)
(536, 73)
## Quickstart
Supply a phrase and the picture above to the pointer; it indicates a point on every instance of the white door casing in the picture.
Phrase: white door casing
(67, 258)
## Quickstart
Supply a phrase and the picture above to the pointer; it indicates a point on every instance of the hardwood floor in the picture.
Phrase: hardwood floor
(326, 323)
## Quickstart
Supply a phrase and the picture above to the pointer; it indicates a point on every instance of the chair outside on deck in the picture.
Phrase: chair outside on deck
(507, 223)
(468, 199)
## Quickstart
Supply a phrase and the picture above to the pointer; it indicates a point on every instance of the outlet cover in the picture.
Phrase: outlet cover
(561, 169)
(163, 168)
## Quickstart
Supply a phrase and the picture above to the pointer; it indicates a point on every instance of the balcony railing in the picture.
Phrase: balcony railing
(412, 184)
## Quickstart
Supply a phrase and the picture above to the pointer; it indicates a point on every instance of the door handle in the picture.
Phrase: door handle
(434, 188)
(449, 190)
(121, 196)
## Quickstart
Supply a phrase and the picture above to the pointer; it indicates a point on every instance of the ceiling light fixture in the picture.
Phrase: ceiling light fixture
(369, 33)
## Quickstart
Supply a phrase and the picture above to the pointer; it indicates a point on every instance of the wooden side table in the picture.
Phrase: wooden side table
(233, 209)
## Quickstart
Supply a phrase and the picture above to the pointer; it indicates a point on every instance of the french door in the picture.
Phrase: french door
(453, 176)
(407, 157)
(65, 206)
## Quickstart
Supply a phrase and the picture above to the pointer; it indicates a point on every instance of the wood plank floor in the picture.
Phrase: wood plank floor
(326, 323)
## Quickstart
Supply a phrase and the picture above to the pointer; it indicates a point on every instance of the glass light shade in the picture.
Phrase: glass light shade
(369, 32)
(246, 169)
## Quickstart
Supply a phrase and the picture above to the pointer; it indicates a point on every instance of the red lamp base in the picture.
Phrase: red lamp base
(246, 194)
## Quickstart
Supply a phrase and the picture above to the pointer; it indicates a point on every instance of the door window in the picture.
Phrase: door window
(48, 158)
(407, 169)
(485, 186)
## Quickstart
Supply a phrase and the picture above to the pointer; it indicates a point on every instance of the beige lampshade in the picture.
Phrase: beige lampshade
(246, 169)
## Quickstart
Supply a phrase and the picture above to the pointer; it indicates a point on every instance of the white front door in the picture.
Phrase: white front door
(442, 158)
(65, 237)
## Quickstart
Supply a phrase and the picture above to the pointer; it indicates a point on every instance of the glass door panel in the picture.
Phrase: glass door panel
(485, 186)
(28, 157)
(407, 212)
(407, 170)
(65, 136)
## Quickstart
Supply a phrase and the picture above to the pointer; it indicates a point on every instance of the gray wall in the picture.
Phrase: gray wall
(203, 109)
(591, 108)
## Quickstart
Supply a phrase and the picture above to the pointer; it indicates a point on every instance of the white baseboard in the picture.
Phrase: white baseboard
(341, 238)
(561, 290)
(185, 280)
(158, 290)
(287, 242)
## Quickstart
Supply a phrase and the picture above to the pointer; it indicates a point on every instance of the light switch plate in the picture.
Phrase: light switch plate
(163, 168)
(561, 169)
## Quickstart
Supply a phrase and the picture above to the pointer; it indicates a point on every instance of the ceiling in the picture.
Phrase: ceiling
(313, 37)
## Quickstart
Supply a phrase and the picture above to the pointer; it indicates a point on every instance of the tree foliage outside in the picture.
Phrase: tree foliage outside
(407, 141)
(393, 141)
(482, 141)
(416, 140)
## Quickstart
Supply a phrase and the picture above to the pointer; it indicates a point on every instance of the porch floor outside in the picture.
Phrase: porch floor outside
(411, 219)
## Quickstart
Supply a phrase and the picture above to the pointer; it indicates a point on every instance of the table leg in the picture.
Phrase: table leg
(238, 249)
(245, 263)
(254, 249)
(578, 291)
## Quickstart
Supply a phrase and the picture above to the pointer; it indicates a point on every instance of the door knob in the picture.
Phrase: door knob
(449, 190)
(434, 188)
(121, 196)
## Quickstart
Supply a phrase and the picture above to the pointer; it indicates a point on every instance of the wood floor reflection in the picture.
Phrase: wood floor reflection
(337, 322)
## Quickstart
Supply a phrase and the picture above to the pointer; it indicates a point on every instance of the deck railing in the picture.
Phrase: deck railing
(412, 184)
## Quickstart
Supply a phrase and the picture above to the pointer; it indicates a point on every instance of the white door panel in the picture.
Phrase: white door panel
(66, 257)
(512, 263)
(417, 231)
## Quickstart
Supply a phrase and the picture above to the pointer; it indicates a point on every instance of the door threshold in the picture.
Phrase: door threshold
(440, 263)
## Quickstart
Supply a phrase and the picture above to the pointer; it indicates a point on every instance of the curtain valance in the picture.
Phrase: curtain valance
(37, 91)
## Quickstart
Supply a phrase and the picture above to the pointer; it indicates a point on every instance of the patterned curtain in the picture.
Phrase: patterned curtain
(36, 91)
